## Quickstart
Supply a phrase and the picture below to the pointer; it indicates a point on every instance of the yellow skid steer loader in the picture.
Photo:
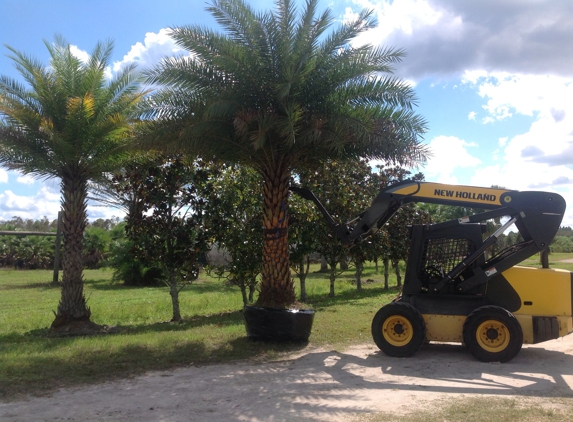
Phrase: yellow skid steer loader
(456, 292)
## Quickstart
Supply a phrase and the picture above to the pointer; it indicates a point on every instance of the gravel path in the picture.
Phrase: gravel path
(315, 385)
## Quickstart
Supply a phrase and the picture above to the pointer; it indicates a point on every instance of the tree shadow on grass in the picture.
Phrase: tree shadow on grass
(350, 296)
(39, 373)
(197, 287)
(219, 320)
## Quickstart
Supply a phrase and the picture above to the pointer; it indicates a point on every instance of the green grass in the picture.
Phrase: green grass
(486, 409)
(213, 330)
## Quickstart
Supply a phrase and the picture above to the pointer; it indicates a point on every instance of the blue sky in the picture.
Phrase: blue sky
(494, 79)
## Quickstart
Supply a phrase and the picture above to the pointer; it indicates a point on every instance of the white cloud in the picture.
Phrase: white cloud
(472, 115)
(154, 47)
(80, 54)
(3, 176)
(44, 203)
(546, 98)
(540, 158)
(26, 180)
(444, 38)
(449, 153)
(84, 56)
(529, 95)
(104, 212)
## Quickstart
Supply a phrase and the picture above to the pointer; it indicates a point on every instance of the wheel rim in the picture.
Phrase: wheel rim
(397, 330)
(493, 336)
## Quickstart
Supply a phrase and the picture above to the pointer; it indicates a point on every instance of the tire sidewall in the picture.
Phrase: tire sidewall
(408, 312)
(485, 313)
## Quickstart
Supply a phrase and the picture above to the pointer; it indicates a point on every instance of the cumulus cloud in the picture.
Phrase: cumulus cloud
(44, 203)
(80, 54)
(530, 95)
(449, 154)
(154, 47)
(549, 139)
(444, 38)
(25, 180)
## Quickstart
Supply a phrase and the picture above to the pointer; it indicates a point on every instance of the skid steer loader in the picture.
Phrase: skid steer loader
(454, 289)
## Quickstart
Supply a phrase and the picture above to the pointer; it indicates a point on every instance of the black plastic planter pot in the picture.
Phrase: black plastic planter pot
(278, 324)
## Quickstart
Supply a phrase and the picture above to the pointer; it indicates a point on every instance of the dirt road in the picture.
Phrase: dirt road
(315, 385)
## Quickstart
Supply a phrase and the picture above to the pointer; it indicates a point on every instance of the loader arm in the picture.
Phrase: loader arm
(537, 216)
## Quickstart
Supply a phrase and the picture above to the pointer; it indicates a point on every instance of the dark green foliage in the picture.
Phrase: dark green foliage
(281, 91)
(96, 244)
(233, 214)
(127, 268)
(303, 223)
(167, 229)
(345, 188)
(29, 252)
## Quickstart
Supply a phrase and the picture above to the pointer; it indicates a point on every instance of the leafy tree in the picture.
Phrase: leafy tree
(279, 91)
(397, 226)
(95, 246)
(303, 224)
(107, 224)
(345, 188)
(127, 267)
(71, 123)
(562, 244)
(233, 215)
(168, 230)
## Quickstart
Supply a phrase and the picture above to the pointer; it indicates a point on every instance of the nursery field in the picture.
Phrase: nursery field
(142, 339)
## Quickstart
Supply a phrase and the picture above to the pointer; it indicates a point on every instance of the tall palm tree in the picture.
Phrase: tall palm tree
(69, 122)
(277, 91)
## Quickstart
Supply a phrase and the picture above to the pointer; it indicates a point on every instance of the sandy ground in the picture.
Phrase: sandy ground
(313, 385)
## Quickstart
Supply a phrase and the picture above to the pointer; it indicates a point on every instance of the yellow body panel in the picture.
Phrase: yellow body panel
(445, 328)
(543, 291)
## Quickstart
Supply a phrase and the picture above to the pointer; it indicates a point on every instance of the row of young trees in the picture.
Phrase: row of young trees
(180, 209)
(278, 92)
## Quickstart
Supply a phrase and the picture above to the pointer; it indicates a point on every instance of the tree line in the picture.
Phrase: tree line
(271, 99)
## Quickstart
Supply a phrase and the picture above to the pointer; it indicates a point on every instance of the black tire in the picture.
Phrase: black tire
(493, 334)
(398, 329)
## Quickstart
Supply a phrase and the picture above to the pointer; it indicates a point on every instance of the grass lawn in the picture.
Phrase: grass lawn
(213, 330)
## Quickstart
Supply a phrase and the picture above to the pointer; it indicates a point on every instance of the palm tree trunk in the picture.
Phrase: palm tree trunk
(72, 306)
(277, 286)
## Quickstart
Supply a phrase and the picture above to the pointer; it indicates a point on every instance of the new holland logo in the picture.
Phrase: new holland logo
(465, 195)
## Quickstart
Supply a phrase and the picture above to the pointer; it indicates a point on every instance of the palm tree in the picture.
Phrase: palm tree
(71, 123)
(277, 91)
